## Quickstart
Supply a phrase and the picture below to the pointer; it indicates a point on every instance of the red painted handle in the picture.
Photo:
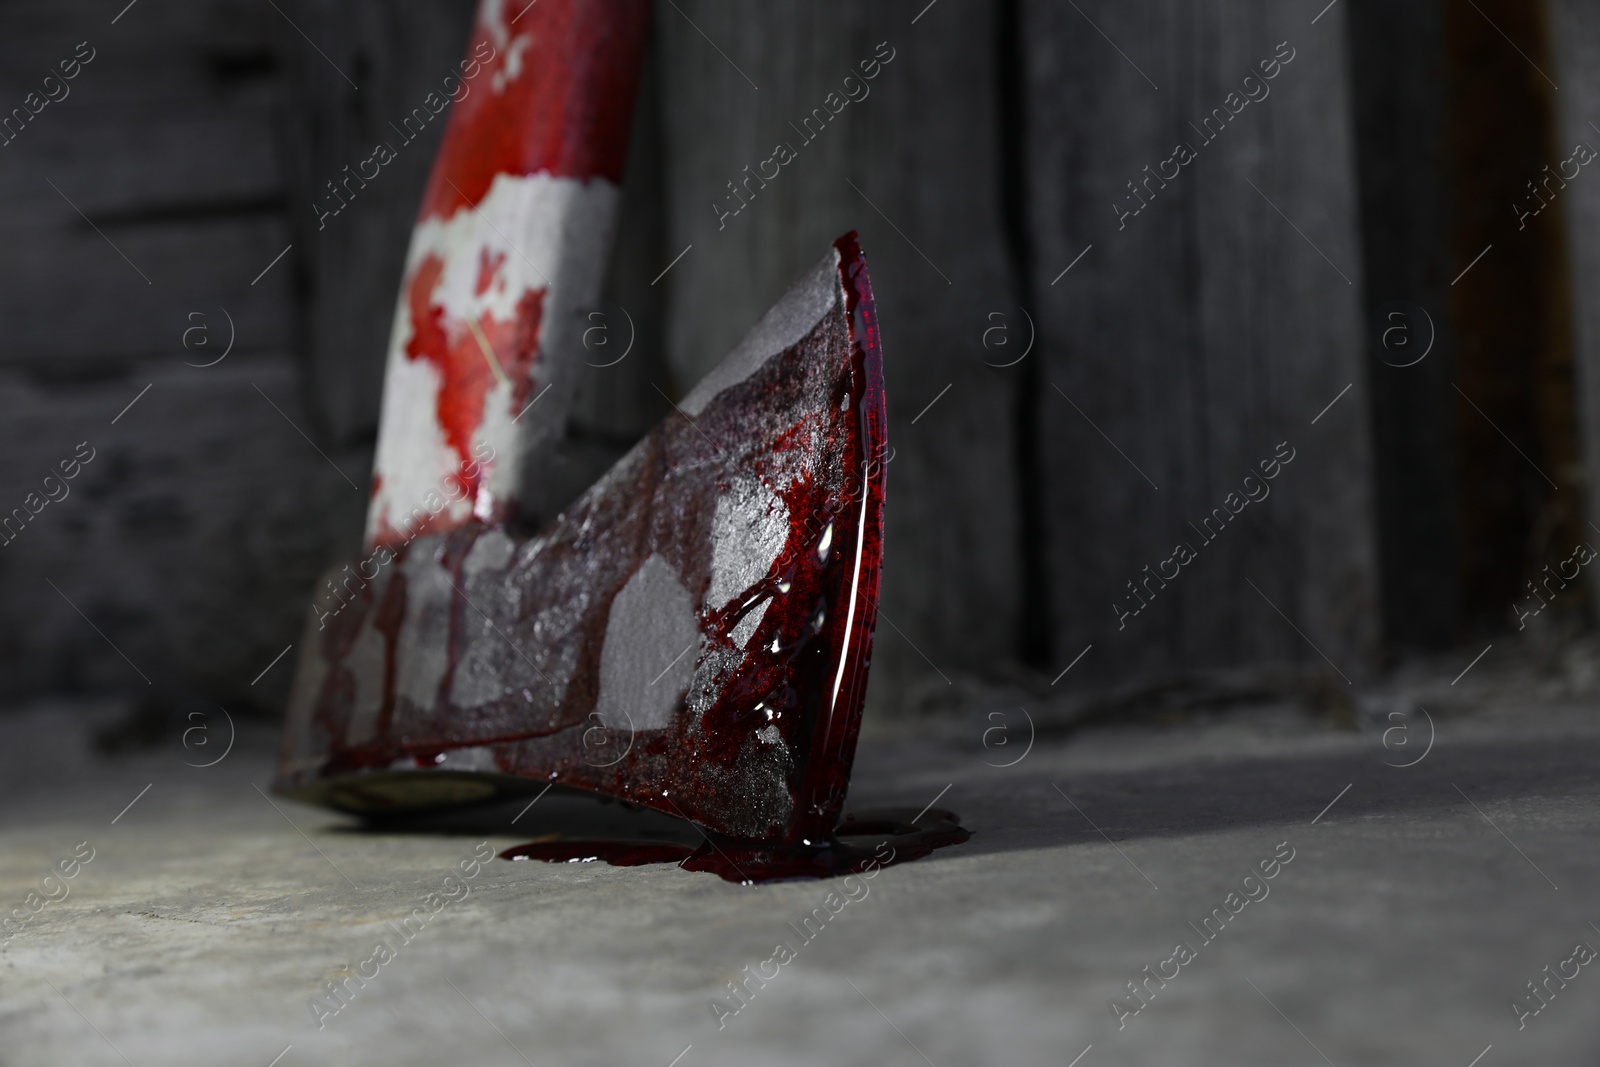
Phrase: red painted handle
(509, 250)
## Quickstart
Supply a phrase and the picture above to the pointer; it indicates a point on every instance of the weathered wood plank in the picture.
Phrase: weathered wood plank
(1575, 34)
(1574, 46)
(165, 142)
(192, 266)
(154, 54)
(192, 538)
(1207, 325)
(232, 145)
(912, 165)
(397, 54)
(1516, 427)
(1401, 122)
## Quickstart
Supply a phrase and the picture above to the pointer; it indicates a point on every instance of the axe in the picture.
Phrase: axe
(693, 634)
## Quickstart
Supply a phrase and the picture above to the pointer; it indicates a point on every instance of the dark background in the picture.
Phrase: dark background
(1179, 351)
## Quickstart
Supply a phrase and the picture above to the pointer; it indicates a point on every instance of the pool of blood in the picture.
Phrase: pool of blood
(858, 841)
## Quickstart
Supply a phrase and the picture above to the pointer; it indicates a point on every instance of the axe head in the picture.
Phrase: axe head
(692, 635)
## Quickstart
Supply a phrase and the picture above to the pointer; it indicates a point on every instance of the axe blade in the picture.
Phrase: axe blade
(693, 634)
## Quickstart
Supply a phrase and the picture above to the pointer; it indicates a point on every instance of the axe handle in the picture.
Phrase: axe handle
(508, 253)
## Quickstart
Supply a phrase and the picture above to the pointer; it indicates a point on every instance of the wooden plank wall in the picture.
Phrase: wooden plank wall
(978, 162)
(155, 189)
(913, 166)
(1203, 330)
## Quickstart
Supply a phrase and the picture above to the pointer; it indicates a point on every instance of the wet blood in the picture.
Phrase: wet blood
(858, 843)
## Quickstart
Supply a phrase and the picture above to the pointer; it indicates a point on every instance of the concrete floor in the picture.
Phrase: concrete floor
(1399, 933)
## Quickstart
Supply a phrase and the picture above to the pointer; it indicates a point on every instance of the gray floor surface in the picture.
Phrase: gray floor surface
(1418, 903)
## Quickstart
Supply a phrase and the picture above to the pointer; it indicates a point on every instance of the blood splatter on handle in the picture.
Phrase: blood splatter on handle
(509, 249)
